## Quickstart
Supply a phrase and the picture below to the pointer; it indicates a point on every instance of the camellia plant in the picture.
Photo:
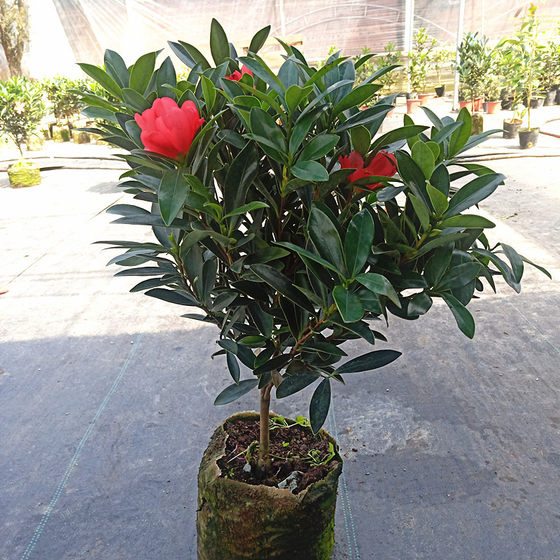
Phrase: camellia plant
(281, 214)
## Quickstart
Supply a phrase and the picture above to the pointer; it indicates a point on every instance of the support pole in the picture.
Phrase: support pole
(457, 57)
(408, 31)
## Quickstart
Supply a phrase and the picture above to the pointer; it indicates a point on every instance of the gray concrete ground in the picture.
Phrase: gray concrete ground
(452, 452)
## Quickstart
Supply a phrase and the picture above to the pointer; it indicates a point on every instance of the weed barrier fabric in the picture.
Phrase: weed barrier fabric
(240, 521)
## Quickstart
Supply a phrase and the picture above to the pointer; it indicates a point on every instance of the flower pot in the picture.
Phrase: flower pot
(511, 128)
(477, 124)
(492, 107)
(424, 98)
(440, 91)
(466, 104)
(61, 134)
(550, 98)
(239, 521)
(412, 105)
(558, 95)
(537, 102)
(507, 104)
(528, 138)
(35, 143)
(80, 137)
(477, 104)
(24, 175)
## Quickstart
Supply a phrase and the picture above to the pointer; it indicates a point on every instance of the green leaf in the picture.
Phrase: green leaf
(102, 78)
(437, 264)
(309, 255)
(361, 139)
(233, 392)
(438, 199)
(310, 171)
(189, 54)
(173, 296)
(459, 275)
(282, 285)
(275, 364)
(233, 367)
(209, 92)
(369, 361)
(219, 46)
(325, 237)
(461, 135)
(516, 261)
(355, 98)
(262, 71)
(421, 211)
(467, 221)
(378, 284)
(172, 194)
(293, 383)
(135, 100)
(401, 133)
(263, 125)
(349, 304)
(358, 242)
(319, 405)
(255, 205)
(424, 158)
(438, 242)
(259, 39)
(318, 147)
(116, 68)
(412, 175)
(473, 192)
(464, 319)
(300, 132)
(142, 72)
(240, 175)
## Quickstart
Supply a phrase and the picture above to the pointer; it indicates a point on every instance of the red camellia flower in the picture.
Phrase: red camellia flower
(168, 129)
(382, 164)
(237, 75)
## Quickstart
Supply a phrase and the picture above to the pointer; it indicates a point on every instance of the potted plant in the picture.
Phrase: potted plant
(525, 49)
(442, 57)
(473, 68)
(419, 62)
(21, 111)
(273, 203)
(492, 90)
(65, 102)
(550, 71)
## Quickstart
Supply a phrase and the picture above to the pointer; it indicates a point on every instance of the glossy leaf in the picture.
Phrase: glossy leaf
(369, 361)
(219, 46)
(319, 405)
(292, 384)
(325, 237)
(172, 194)
(235, 391)
(349, 305)
(259, 39)
(358, 242)
(142, 72)
(424, 158)
(102, 78)
(461, 135)
(310, 171)
(233, 367)
(464, 319)
(439, 201)
(378, 284)
(473, 193)
(318, 147)
(467, 221)
(459, 275)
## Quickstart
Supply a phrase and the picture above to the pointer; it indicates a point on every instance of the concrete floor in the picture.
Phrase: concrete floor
(452, 452)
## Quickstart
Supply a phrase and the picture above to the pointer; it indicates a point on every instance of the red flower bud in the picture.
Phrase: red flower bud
(382, 164)
(168, 129)
(237, 75)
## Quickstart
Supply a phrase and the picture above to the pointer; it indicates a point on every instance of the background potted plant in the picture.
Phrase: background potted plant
(493, 85)
(550, 71)
(441, 57)
(419, 62)
(474, 65)
(21, 111)
(273, 204)
(64, 96)
(526, 50)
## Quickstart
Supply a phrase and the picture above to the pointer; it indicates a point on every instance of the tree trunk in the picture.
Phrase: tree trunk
(264, 441)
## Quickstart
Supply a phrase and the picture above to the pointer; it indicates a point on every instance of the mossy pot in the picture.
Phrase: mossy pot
(239, 521)
(24, 175)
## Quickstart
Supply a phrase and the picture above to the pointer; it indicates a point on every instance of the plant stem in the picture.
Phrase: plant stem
(264, 440)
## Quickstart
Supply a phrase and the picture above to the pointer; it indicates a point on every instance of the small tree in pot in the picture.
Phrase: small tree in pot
(21, 111)
(281, 215)
(474, 65)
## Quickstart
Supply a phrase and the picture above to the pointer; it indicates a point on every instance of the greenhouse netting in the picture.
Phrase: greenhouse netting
(66, 31)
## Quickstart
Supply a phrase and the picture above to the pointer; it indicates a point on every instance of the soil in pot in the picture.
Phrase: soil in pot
(24, 174)
(256, 520)
(511, 128)
(528, 138)
(440, 90)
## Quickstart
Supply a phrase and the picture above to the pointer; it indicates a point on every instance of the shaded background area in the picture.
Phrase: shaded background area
(67, 31)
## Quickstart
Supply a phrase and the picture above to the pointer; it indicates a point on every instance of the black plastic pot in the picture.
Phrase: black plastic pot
(537, 102)
(511, 128)
(550, 98)
(558, 95)
(440, 91)
(507, 104)
(485, 106)
(528, 138)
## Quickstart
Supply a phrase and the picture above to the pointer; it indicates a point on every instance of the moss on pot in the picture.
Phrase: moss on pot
(24, 174)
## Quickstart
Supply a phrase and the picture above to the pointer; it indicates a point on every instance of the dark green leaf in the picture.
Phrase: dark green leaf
(361, 139)
(233, 367)
(241, 173)
(275, 364)
(461, 135)
(219, 45)
(473, 192)
(358, 242)
(172, 194)
(424, 158)
(459, 275)
(369, 361)
(310, 171)
(438, 199)
(464, 319)
(142, 72)
(263, 125)
(318, 147)
(349, 304)
(355, 98)
(395, 135)
(255, 205)
(325, 237)
(233, 392)
(172, 296)
(102, 78)
(378, 284)
(516, 261)
(319, 405)
(293, 383)
(259, 39)
(467, 221)
(308, 254)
